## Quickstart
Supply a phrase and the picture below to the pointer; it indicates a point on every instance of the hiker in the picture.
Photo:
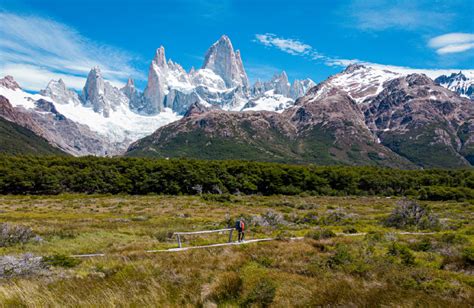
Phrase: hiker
(240, 226)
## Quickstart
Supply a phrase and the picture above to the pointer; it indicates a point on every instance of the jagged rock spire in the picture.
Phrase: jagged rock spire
(222, 60)
(154, 94)
(101, 95)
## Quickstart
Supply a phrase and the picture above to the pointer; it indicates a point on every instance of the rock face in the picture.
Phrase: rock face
(19, 139)
(45, 121)
(423, 122)
(300, 87)
(101, 95)
(154, 94)
(221, 83)
(222, 60)
(279, 84)
(313, 131)
(135, 98)
(458, 83)
(400, 121)
(9, 83)
(58, 91)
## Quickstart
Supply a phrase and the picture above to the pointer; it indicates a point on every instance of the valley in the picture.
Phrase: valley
(378, 265)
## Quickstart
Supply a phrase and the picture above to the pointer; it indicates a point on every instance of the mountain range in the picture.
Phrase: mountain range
(363, 115)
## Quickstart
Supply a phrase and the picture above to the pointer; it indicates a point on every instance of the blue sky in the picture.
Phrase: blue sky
(44, 39)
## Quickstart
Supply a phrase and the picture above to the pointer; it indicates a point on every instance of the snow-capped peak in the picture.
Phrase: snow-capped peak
(459, 83)
(222, 60)
(9, 83)
(57, 90)
(362, 82)
(101, 95)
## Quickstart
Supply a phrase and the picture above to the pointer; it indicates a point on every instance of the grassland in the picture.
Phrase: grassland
(349, 257)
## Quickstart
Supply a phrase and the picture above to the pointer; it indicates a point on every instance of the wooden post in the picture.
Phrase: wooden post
(179, 241)
(230, 235)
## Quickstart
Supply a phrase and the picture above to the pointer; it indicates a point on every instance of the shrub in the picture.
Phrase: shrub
(27, 264)
(453, 238)
(14, 234)
(398, 250)
(336, 217)
(319, 234)
(262, 293)
(468, 256)
(163, 235)
(283, 235)
(374, 236)
(423, 245)
(60, 260)
(341, 256)
(228, 287)
(409, 214)
(269, 219)
(349, 230)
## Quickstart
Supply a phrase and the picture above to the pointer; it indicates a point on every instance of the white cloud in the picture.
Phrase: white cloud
(379, 15)
(452, 43)
(453, 40)
(35, 49)
(291, 46)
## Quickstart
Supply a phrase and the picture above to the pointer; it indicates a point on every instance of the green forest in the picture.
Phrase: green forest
(140, 176)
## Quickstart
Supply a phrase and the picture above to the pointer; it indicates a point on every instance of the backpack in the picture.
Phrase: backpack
(237, 224)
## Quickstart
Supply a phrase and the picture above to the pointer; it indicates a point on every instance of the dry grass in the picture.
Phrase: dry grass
(331, 271)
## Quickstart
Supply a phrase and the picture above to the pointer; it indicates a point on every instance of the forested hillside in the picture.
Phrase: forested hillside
(15, 139)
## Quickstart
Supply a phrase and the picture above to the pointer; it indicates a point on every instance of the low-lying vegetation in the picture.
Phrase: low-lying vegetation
(331, 251)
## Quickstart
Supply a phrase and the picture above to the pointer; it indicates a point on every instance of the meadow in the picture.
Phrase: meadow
(327, 251)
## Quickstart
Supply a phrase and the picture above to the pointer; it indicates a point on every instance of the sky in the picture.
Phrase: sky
(42, 40)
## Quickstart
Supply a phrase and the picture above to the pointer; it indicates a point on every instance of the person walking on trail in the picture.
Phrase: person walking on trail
(240, 226)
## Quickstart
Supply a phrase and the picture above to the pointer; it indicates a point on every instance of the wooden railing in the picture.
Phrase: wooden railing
(178, 234)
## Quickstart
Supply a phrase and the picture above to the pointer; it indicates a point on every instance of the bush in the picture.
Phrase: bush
(14, 234)
(319, 234)
(350, 230)
(262, 294)
(228, 287)
(60, 260)
(341, 256)
(453, 238)
(27, 264)
(423, 245)
(269, 219)
(163, 235)
(409, 214)
(398, 250)
(468, 256)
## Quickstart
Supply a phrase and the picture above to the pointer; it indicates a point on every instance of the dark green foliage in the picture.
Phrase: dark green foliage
(262, 294)
(60, 260)
(403, 252)
(468, 256)
(423, 245)
(217, 198)
(54, 175)
(341, 256)
(349, 230)
(17, 140)
(320, 234)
